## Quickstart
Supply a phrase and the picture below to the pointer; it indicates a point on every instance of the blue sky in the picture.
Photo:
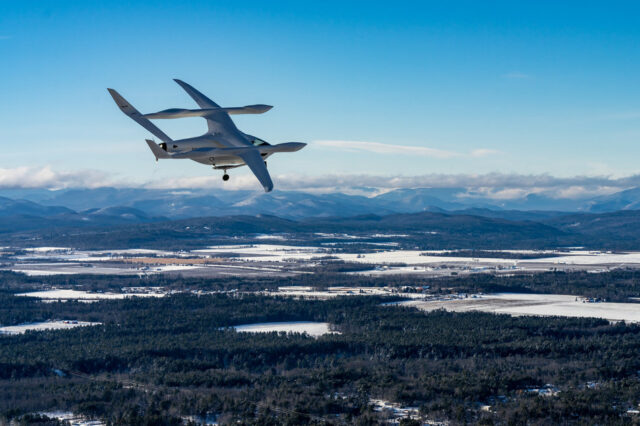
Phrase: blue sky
(391, 90)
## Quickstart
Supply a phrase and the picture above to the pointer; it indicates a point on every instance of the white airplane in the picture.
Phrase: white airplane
(223, 146)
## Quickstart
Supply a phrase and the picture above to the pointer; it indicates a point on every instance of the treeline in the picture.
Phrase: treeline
(326, 274)
(495, 254)
(423, 231)
(619, 285)
(155, 361)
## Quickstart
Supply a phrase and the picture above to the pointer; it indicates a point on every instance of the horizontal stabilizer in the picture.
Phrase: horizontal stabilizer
(184, 113)
(249, 109)
(283, 147)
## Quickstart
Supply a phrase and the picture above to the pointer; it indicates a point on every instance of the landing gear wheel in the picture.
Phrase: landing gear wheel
(225, 177)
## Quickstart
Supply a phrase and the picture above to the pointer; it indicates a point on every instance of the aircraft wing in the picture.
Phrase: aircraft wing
(205, 112)
(137, 117)
(216, 121)
(201, 100)
(254, 160)
(248, 109)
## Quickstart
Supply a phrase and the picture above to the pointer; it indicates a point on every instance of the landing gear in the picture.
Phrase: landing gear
(225, 176)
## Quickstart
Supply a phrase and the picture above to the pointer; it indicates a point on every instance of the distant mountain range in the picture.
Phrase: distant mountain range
(425, 230)
(438, 218)
(149, 204)
(23, 215)
(444, 211)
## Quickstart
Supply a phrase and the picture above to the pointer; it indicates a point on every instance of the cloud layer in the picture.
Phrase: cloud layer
(46, 177)
(499, 186)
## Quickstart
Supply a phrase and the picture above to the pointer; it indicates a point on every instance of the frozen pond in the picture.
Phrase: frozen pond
(46, 325)
(534, 304)
(314, 329)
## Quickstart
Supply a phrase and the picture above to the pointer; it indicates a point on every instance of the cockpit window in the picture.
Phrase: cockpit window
(258, 142)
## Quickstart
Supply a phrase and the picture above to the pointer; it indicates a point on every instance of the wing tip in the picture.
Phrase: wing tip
(118, 99)
(113, 92)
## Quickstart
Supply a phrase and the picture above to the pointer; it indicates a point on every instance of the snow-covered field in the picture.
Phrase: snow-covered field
(137, 251)
(83, 295)
(42, 261)
(314, 329)
(412, 257)
(279, 237)
(329, 292)
(399, 270)
(48, 249)
(279, 253)
(592, 258)
(274, 252)
(73, 419)
(415, 257)
(533, 304)
(44, 269)
(46, 325)
(268, 252)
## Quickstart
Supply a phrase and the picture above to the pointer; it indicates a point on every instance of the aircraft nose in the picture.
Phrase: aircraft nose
(297, 146)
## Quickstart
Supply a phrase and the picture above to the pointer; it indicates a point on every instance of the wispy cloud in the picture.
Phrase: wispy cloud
(5, 37)
(393, 149)
(383, 148)
(483, 152)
